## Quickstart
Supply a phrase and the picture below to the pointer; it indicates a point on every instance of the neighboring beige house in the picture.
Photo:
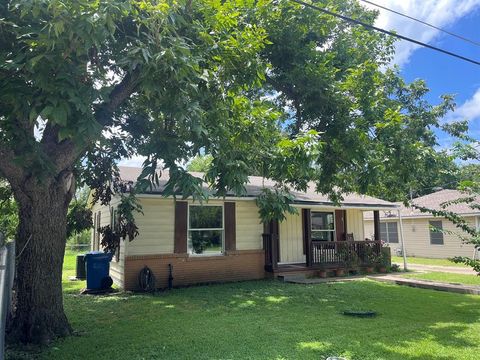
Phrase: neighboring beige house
(420, 239)
(224, 239)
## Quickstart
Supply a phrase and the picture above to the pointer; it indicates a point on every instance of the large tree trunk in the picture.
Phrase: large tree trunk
(38, 315)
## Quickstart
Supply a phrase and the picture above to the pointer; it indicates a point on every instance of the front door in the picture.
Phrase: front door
(291, 240)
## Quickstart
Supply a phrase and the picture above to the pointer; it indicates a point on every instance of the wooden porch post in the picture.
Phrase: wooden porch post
(376, 224)
(275, 236)
(271, 244)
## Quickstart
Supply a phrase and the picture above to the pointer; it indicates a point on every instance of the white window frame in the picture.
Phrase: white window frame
(328, 230)
(388, 232)
(222, 229)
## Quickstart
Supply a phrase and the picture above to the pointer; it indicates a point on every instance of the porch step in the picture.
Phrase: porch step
(293, 278)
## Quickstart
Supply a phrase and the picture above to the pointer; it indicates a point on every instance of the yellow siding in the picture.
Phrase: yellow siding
(291, 241)
(155, 226)
(355, 224)
(417, 238)
(248, 226)
(368, 229)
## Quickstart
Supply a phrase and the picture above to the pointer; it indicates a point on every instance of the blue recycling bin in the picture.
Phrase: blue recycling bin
(97, 265)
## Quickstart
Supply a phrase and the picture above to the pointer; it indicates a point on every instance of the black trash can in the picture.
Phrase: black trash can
(81, 274)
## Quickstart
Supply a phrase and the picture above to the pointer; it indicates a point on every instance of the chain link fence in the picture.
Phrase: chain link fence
(7, 274)
(77, 248)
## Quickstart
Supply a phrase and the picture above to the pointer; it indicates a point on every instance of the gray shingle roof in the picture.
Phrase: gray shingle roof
(432, 201)
(256, 183)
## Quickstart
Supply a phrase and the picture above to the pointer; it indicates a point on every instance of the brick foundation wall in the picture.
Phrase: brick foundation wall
(188, 270)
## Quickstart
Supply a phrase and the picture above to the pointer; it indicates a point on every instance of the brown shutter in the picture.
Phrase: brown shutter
(180, 239)
(94, 231)
(275, 231)
(230, 226)
(340, 225)
(99, 225)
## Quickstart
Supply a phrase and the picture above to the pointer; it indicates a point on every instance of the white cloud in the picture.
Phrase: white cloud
(441, 13)
(469, 110)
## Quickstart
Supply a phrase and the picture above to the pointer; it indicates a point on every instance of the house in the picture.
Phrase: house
(421, 238)
(224, 240)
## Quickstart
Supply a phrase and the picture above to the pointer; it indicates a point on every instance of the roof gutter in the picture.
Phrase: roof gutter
(296, 203)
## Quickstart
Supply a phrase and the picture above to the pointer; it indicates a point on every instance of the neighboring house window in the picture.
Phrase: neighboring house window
(205, 229)
(389, 232)
(436, 234)
(323, 226)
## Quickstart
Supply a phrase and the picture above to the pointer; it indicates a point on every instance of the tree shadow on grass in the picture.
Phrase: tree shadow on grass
(412, 323)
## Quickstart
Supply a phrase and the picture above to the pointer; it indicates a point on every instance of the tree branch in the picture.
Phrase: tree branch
(289, 91)
(65, 154)
(120, 93)
(12, 172)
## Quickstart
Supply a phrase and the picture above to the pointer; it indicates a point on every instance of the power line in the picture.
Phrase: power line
(371, 27)
(424, 23)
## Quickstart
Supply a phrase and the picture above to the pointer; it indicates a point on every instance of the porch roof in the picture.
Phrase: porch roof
(256, 184)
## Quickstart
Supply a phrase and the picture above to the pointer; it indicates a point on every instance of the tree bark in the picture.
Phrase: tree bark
(38, 315)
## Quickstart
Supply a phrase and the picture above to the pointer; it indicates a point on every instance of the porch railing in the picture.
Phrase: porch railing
(354, 253)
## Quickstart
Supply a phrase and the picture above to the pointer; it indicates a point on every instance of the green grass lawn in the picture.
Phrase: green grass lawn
(446, 277)
(268, 320)
(426, 261)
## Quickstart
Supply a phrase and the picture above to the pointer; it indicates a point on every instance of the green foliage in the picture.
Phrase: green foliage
(274, 204)
(8, 212)
(200, 163)
(79, 218)
(395, 268)
(263, 87)
(82, 238)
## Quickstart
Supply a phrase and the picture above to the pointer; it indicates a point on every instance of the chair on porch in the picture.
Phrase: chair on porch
(349, 237)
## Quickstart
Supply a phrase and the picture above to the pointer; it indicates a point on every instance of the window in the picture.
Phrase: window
(323, 226)
(205, 229)
(436, 234)
(389, 232)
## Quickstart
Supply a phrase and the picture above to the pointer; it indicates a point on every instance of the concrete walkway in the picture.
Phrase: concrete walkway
(426, 284)
(394, 279)
(301, 279)
(437, 268)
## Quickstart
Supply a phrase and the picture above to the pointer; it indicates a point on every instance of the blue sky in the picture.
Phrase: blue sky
(443, 74)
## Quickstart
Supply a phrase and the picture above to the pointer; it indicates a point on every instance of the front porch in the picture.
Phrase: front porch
(343, 253)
